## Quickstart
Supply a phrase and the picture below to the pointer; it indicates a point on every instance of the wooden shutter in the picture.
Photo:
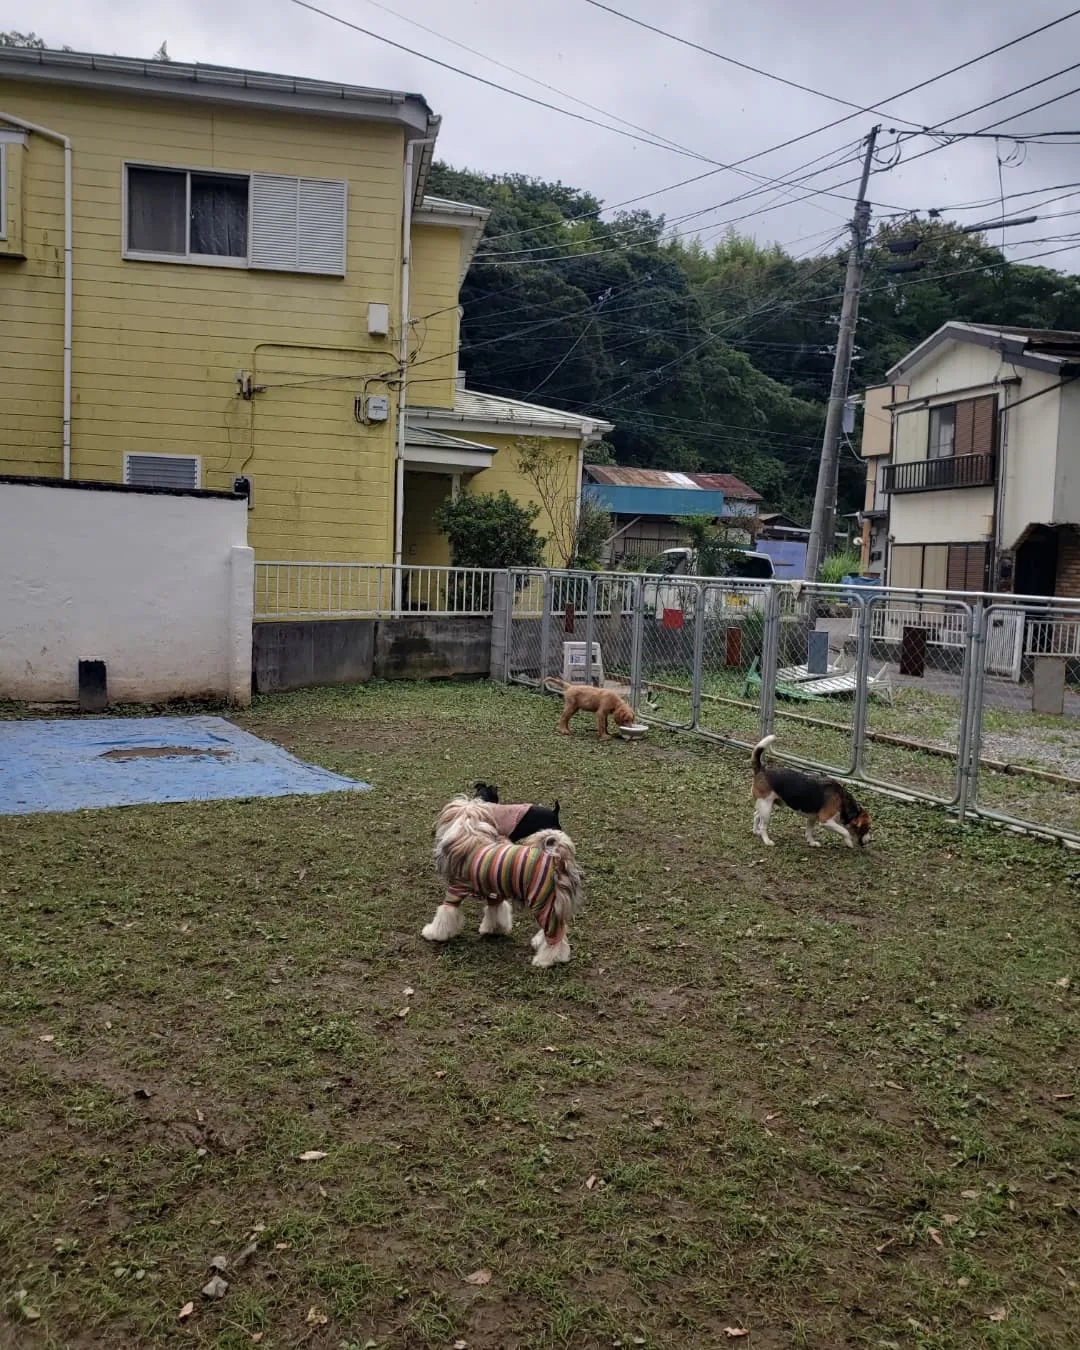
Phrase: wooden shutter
(298, 224)
(984, 420)
(965, 421)
(967, 567)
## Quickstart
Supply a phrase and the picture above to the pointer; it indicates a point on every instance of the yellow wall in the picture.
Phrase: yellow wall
(157, 345)
(504, 473)
(434, 282)
(423, 545)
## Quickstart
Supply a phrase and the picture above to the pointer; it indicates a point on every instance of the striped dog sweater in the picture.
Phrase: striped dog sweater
(512, 872)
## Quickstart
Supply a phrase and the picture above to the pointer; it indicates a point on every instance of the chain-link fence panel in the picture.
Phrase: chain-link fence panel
(1025, 750)
(809, 682)
(915, 655)
(670, 614)
(736, 618)
(525, 658)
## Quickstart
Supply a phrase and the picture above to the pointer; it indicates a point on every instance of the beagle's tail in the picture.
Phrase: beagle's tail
(759, 749)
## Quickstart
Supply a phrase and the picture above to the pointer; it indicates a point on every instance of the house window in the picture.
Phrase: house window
(942, 432)
(267, 221)
(193, 216)
(163, 471)
(938, 567)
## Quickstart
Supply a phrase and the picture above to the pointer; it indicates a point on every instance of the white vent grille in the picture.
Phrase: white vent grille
(164, 471)
(298, 224)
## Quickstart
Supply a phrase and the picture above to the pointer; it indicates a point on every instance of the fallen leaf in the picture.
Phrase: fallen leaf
(216, 1288)
(282, 1246)
(316, 1318)
(949, 1219)
(461, 1345)
(244, 1255)
(24, 1309)
(884, 1246)
(408, 991)
(324, 1192)
(935, 1236)
(185, 1311)
(479, 1277)
(256, 1336)
(312, 1155)
(657, 1123)
(969, 1195)
(440, 1073)
(897, 1087)
(735, 1332)
(108, 1026)
(219, 1263)
(1063, 983)
(775, 1116)
(1064, 1096)
(997, 1315)
(963, 1282)
(143, 1094)
(200, 1117)
(403, 1012)
(591, 1182)
(301, 874)
(549, 1048)
(46, 1038)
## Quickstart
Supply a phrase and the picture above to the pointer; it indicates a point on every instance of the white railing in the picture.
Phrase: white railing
(313, 590)
(1052, 637)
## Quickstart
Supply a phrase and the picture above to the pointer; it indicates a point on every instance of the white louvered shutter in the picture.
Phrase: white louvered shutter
(164, 471)
(298, 224)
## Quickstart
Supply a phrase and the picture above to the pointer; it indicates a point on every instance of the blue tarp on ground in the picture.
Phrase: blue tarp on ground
(74, 763)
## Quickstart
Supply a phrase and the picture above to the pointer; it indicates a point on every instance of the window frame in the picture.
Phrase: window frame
(187, 259)
(155, 454)
(939, 408)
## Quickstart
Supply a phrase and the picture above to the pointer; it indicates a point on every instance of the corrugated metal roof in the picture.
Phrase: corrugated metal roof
(728, 484)
(617, 475)
(439, 440)
(470, 406)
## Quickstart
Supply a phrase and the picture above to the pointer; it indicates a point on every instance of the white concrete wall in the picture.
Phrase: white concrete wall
(1029, 455)
(956, 516)
(1067, 478)
(160, 587)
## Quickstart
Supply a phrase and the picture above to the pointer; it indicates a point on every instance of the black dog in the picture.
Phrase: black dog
(517, 822)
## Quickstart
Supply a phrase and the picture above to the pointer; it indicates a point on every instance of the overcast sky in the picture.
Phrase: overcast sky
(859, 51)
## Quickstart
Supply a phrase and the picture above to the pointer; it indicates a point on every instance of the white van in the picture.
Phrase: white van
(747, 570)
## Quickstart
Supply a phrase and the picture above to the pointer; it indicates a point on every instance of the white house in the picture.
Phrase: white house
(973, 463)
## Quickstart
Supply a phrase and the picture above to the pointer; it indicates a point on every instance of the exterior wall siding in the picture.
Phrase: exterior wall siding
(434, 283)
(157, 346)
(504, 473)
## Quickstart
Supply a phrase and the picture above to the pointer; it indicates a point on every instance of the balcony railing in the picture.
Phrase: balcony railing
(930, 475)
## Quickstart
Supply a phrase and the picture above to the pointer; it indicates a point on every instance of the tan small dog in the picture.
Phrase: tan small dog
(604, 703)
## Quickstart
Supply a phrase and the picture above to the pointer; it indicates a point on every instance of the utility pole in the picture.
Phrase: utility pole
(823, 523)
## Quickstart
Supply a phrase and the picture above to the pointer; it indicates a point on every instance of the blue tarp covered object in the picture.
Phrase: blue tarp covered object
(74, 763)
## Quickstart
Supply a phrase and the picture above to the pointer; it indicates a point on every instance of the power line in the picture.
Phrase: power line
(828, 126)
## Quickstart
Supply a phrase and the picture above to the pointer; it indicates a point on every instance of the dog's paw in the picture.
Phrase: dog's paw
(769, 843)
(537, 939)
(497, 919)
(813, 843)
(549, 955)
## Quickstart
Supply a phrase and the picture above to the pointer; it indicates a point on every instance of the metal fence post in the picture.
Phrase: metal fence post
(700, 607)
(545, 627)
(974, 693)
(864, 640)
(770, 660)
(590, 627)
(637, 633)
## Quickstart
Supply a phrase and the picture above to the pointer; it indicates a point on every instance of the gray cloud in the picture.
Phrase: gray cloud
(862, 52)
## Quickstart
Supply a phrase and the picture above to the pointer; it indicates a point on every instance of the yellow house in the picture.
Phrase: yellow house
(216, 278)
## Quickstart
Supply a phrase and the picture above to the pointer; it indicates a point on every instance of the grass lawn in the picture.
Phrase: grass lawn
(824, 1098)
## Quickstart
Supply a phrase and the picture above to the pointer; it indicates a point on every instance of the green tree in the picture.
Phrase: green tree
(15, 39)
(491, 530)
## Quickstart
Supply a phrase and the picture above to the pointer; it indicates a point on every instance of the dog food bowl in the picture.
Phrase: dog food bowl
(633, 731)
